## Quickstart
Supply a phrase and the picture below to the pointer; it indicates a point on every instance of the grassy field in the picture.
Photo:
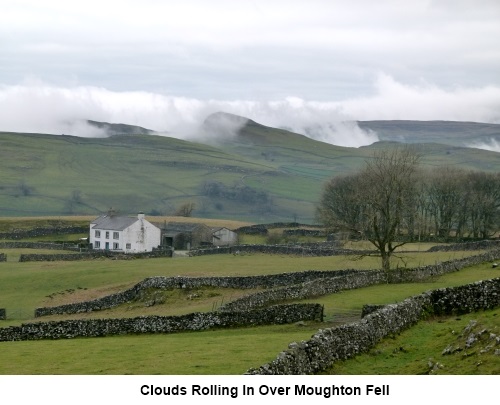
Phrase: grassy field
(24, 286)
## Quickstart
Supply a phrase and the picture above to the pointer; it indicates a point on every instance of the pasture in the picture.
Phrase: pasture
(25, 286)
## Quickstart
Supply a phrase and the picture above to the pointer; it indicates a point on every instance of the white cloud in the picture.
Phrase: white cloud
(35, 106)
(395, 100)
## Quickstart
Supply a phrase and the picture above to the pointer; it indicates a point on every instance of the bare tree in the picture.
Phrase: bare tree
(485, 203)
(340, 208)
(185, 210)
(447, 194)
(389, 188)
(379, 201)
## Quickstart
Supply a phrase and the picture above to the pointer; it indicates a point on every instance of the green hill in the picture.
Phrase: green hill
(255, 173)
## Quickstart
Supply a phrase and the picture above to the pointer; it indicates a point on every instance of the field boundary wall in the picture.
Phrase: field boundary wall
(276, 315)
(94, 254)
(330, 345)
(38, 245)
(165, 283)
(316, 288)
(310, 249)
(43, 231)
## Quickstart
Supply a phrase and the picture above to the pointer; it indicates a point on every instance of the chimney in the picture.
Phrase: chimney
(140, 215)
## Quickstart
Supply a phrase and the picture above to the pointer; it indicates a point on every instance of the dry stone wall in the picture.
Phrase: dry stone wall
(38, 245)
(479, 245)
(298, 285)
(43, 231)
(340, 343)
(281, 314)
(315, 288)
(94, 254)
(310, 289)
(315, 249)
(165, 283)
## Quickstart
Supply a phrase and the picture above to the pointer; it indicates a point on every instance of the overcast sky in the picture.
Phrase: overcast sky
(166, 64)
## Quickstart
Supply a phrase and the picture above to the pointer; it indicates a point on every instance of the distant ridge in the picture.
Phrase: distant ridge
(121, 129)
(455, 133)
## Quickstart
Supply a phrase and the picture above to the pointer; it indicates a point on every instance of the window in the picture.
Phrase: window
(97, 244)
(128, 245)
(116, 246)
(107, 235)
(97, 234)
(116, 235)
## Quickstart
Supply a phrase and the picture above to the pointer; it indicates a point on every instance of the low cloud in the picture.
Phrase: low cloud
(425, 101)
(493, 145)
(34, 106)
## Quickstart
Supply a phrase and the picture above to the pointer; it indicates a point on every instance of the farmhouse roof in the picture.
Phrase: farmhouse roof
(113, 223)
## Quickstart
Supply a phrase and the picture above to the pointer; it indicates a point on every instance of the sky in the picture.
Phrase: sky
(311, 66)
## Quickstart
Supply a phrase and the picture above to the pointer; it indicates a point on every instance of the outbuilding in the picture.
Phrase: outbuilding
(224, 237)
(186, 235)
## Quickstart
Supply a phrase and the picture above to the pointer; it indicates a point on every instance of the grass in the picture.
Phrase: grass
(353, 300)
(14, 254)
(218, 352)
(166, 303)
(233, 351)
(419, 350)
(25, 286)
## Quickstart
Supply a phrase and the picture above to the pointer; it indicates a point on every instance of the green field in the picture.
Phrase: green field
(25, 286)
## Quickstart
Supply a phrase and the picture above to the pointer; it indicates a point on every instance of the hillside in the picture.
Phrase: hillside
(253, 172)
(444, 132)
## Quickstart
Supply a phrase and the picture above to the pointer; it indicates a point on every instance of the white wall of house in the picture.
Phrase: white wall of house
(141, 236)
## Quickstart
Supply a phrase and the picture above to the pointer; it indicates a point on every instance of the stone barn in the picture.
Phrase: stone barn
(186, 236)
(224, 237)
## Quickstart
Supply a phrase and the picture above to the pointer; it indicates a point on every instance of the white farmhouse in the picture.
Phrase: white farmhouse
(125, 234)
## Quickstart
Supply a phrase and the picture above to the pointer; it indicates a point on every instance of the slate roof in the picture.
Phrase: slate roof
(113, 223)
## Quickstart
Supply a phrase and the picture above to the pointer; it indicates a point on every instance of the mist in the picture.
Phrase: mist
(493, 145)
(38, 107)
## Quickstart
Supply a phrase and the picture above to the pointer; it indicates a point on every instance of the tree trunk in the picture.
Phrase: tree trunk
(386, 260)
